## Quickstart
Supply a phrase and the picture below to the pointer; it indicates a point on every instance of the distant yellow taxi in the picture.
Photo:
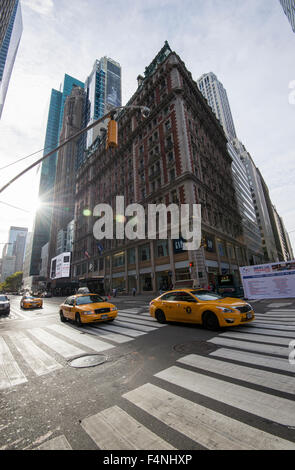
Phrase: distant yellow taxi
(28, 301)
(201, 306)
(87, 308)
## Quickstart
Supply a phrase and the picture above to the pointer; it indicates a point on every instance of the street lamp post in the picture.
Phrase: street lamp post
(144, 110)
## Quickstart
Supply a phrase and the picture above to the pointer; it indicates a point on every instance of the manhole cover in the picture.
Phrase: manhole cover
(89, 360)
(199, 347)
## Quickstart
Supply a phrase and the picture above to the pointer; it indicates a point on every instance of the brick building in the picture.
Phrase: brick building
(176, 155)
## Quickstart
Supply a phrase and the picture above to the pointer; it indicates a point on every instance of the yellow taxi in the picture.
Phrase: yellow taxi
(29, 301)
(201, 306)
(87, 308)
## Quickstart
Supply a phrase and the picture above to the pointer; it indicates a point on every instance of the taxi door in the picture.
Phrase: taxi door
(169, 305)
(68, 308)
(189, 309)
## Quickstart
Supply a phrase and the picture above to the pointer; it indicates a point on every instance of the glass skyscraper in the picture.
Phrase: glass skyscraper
(103, 87)
(41, 232)
(289, 10)
(9, 44)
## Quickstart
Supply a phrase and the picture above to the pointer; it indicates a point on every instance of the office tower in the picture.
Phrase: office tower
(259, 193)
(103, 88)
(284, 248)
(289, 10)
(43, 217)
(65, 181)
(252, 236)
(13, 252)
(11, 28)
(215, 93)
(176, 155)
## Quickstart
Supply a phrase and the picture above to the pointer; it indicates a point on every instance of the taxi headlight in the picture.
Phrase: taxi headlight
(113, 308)
(225, 310)
(89, 312)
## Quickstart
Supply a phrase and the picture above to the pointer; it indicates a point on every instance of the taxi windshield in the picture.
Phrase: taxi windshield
(205, 295)
(88, 299)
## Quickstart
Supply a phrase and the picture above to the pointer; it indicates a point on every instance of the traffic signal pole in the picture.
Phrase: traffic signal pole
(145, 111)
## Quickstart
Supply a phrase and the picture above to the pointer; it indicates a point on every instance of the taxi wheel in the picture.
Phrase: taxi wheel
(160, 316)
(78, 319)
(62, 317)
(210, 321)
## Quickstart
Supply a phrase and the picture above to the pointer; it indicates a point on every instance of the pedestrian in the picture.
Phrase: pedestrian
(133, 291)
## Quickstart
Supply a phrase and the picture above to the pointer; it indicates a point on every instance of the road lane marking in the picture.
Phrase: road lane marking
(273, 325)
(207, 427)
(85, 340)
(273, 408)
(114, 429)
(37, 359)
(58, 443)
(256, 338)
(115, 337)
(255, 359)
(265, 378)
(61, 347)
(135, 326)
(138, 319)
(10, 373)
(264, 348)
(265, 331)
(120, 329)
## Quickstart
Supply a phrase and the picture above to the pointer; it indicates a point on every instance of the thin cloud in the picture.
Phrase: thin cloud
(42, 7)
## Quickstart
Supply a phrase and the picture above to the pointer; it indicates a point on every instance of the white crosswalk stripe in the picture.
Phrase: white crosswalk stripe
(37, 359)
(37, 346)
(10, 373)
(57, 443)
(268, 379)
(114, 429)
(204, 426)
(85, 340)
(256, 338)
(273, 408)
(249, 346)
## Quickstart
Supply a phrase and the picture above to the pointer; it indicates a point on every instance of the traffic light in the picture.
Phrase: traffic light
(191, 264)
(112, 134)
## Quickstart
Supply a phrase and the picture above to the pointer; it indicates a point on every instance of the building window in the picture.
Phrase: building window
(131, 256)
(162, 248)
(144, 252)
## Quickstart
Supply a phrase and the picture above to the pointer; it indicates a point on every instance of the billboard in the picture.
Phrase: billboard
(269, 281)
(60, 266)
(113, 97)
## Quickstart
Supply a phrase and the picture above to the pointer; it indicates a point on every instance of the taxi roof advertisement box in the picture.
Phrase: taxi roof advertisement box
(269, 281)
(60, 266)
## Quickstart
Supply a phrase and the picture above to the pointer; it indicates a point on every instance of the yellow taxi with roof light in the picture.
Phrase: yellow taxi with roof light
(201, 306)
(87, 308)
(29, 301)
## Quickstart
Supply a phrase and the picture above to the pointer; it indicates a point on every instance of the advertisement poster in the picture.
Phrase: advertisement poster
(60, 266)
(269, 281)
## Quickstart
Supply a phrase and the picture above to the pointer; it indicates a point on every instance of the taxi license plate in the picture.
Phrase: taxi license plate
(104, 317)
(249, 315)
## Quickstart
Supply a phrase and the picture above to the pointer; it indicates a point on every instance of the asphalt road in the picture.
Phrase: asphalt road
(156, 387)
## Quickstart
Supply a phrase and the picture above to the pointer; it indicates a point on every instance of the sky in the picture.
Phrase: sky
(248, 44)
